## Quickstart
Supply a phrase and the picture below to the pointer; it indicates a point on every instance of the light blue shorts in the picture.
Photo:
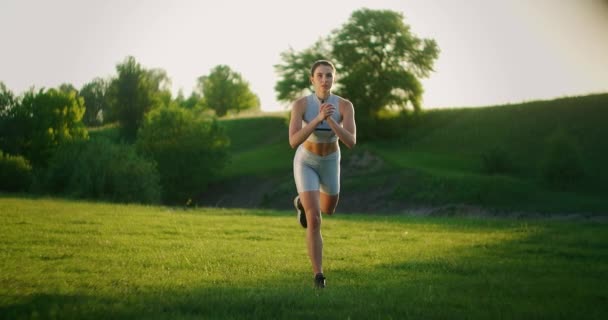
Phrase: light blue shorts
(312, 172)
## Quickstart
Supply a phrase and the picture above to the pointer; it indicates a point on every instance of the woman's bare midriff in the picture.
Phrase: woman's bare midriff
(321, 149)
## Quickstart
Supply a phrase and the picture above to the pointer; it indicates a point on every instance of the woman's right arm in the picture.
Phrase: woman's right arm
(297, 133)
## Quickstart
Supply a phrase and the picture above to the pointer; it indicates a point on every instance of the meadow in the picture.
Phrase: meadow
(63, 259)
(494, 239)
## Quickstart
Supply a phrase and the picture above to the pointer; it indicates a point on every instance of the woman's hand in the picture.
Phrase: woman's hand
(325, 111)
(347, 131)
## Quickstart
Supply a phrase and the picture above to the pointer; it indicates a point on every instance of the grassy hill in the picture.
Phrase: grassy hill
(438, 166)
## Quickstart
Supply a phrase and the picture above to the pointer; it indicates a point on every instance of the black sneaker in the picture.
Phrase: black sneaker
(300, 209)
(319, 281)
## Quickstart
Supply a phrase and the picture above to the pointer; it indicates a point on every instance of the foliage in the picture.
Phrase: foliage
(135, 92)
(15, 173)
(382, 61)
(57, 120)
(9, 120)
(225, 90)
(294, 74)
(95, 95)
(563, 165)
(15, 122)
(36, 124)
(7, 100)
(379, 61)
(67, 88)
(99, 169)
(189, 150)
(193, 101)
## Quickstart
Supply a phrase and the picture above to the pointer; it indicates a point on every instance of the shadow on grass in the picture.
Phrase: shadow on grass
(261, 302)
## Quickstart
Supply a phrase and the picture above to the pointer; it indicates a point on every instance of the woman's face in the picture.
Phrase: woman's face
(323, 78)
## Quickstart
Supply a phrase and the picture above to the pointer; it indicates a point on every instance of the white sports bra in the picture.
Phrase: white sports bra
(323, 132)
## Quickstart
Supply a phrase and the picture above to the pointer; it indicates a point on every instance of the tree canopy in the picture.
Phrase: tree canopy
(225, 90)
(96, 101)
(294, 73)
(40, 121)
(134, 92)
(380, 63)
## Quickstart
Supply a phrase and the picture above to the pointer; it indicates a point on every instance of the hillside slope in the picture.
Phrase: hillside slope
(438, 164)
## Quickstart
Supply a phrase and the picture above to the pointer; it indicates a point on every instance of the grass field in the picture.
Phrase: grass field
(79, 260)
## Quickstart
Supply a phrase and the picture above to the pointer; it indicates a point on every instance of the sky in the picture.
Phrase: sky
(492, 51)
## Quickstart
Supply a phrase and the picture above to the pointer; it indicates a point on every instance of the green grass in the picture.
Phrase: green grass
(439, 158)
(79, 260)
(521, 130)
(258, 146)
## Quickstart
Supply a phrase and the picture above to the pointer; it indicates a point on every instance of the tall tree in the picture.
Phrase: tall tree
(135, 92)
(7, 99)
(96, 101)
(225, 90)
(380, 63)
(67, 88)
(13, 123)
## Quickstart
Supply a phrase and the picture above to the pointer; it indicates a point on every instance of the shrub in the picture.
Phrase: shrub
(44, 120)
(15, 173)
(189, 150)
(563, 164)
(99, 169)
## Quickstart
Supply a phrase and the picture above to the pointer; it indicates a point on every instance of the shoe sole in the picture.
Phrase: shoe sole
(302, 222)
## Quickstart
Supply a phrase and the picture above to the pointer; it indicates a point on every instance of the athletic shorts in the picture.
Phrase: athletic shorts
(312, 172)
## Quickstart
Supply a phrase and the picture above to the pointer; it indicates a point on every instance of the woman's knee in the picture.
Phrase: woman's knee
(314, 220)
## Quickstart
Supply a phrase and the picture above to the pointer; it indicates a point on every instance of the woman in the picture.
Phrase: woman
(317, 122)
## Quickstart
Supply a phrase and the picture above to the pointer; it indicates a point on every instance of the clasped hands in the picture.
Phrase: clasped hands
(326, 110)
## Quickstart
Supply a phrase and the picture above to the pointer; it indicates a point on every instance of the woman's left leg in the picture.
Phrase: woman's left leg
(328, 203)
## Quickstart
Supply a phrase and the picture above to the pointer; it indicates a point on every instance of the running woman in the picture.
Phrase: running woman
(317, 122)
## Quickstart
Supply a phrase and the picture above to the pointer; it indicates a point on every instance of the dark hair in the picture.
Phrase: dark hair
(321, 63)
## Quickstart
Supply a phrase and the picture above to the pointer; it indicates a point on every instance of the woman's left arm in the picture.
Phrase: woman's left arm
(347, 132)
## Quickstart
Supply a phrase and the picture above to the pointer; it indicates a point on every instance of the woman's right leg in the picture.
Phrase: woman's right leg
(314, 240)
